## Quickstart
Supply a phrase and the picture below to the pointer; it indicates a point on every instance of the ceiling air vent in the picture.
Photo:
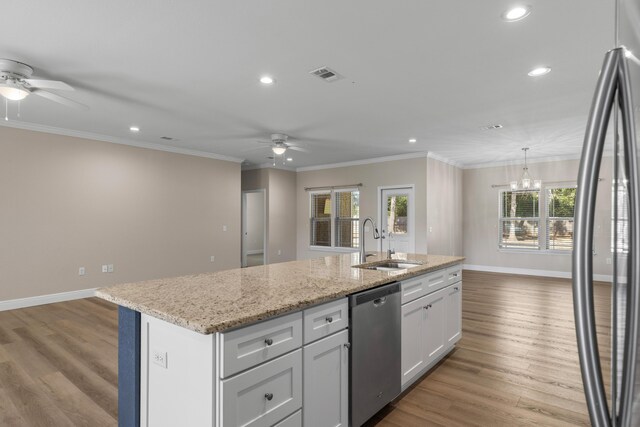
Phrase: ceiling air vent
(326, 74)
(168, 138)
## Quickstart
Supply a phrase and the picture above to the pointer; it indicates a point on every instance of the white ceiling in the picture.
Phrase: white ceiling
(435, 70)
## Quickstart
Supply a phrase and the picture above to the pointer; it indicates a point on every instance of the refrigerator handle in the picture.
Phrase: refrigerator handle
(582, 266)
(630, 355)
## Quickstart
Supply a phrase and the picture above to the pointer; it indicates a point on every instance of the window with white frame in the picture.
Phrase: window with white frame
(334, 218)
(561, 202)
(519, 219)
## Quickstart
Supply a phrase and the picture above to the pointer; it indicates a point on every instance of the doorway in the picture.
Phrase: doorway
(254, 228)
(397, 218)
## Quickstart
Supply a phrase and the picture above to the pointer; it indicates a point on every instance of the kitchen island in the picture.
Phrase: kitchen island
(192, 349)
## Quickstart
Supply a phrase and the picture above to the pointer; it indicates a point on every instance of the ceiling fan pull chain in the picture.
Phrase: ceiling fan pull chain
(6, 109)
(19, 104)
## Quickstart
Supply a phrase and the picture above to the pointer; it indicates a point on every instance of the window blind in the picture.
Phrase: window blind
(519, 219)
(559, 224)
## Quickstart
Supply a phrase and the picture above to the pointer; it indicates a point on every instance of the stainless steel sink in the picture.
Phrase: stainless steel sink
(391, 265)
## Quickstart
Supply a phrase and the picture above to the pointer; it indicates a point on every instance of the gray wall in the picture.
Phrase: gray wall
(444, 208)
(68, 202)
(480, 204)
(398, 172)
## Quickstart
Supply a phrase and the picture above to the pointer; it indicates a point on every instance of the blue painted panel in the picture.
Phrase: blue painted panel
(128, 367)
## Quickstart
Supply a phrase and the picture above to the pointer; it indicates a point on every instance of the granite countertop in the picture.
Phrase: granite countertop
(213, 302)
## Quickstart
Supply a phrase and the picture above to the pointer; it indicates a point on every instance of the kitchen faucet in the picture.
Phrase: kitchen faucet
(376, 235)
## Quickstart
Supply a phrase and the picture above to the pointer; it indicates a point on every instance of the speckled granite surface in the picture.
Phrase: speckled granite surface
(213, 302)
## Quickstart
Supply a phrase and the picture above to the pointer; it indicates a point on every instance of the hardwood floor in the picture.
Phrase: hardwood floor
(515, 365)
(58, 365)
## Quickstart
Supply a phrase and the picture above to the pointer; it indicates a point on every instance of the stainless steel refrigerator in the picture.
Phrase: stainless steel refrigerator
(613, 115)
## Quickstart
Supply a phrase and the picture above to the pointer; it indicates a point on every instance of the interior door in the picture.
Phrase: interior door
(397, 219)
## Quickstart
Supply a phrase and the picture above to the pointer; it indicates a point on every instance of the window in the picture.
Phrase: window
(519, 219)
(620, 218)
(335, 218)
(560, 208)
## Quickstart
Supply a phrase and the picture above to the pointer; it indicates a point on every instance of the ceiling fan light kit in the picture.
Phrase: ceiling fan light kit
(16, 84)
(13, 92)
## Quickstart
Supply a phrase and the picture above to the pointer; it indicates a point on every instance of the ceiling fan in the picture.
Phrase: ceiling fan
(16, 84)
(279, 144)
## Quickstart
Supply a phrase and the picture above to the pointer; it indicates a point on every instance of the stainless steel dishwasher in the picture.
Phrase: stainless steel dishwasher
(375, 351)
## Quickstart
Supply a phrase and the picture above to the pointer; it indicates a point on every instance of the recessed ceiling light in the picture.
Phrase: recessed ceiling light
(289, 159)
(413, 141)
(516, 13)
(540, 71)
(134, 129)
(267, 80)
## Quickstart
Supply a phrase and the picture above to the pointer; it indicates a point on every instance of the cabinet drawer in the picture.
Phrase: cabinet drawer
(247, 347)
(264, 395)
(420, 286)
(325, 319)
(454, 274)
(294, 420)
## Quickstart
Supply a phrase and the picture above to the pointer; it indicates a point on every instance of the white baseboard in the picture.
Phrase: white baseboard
(13, 304)
(254, 252)
(532, 272)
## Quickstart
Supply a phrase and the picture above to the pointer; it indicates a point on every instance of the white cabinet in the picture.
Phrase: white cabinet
(413, 358)
(434, 324)
(326, 382)
(325, 319)
(431, 325)
(263, 395)
(453, 313)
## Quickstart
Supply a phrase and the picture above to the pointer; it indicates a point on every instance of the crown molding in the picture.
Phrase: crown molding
(268, 165)
(363, 162)
(549, 159)
(443, 159)
(120, 141)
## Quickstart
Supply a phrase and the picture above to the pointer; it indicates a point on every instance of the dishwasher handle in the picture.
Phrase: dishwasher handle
(377, 295)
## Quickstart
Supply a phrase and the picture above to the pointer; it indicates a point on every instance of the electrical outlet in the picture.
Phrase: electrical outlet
(105, 268)
(159, 357)
(430, 229)
(608, 261)
(224, 228)
(213, 258)
(110, 268)
(279, 252)
(82, 271)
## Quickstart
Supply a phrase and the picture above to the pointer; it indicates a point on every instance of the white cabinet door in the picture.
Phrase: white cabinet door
(413, 356)
(326, 382)
(453, 314)
(433, 330)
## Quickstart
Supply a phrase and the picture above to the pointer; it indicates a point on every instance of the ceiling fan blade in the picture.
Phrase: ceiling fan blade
(48, 84)
(59, 99)
(293, 147)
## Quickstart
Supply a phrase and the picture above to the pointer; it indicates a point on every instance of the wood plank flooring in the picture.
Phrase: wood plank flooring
(515, 365)
(517, 361)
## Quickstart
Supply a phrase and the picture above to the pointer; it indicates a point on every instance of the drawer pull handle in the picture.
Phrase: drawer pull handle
(268, 341)
(427, 307)
(329, 319)
(268, 396)
(455, 274)
(456, 289)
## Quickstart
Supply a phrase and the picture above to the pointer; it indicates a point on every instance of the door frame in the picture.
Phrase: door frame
(412, 211)
(243, 254)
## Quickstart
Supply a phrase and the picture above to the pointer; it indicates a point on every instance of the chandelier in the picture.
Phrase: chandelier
(526, 183)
